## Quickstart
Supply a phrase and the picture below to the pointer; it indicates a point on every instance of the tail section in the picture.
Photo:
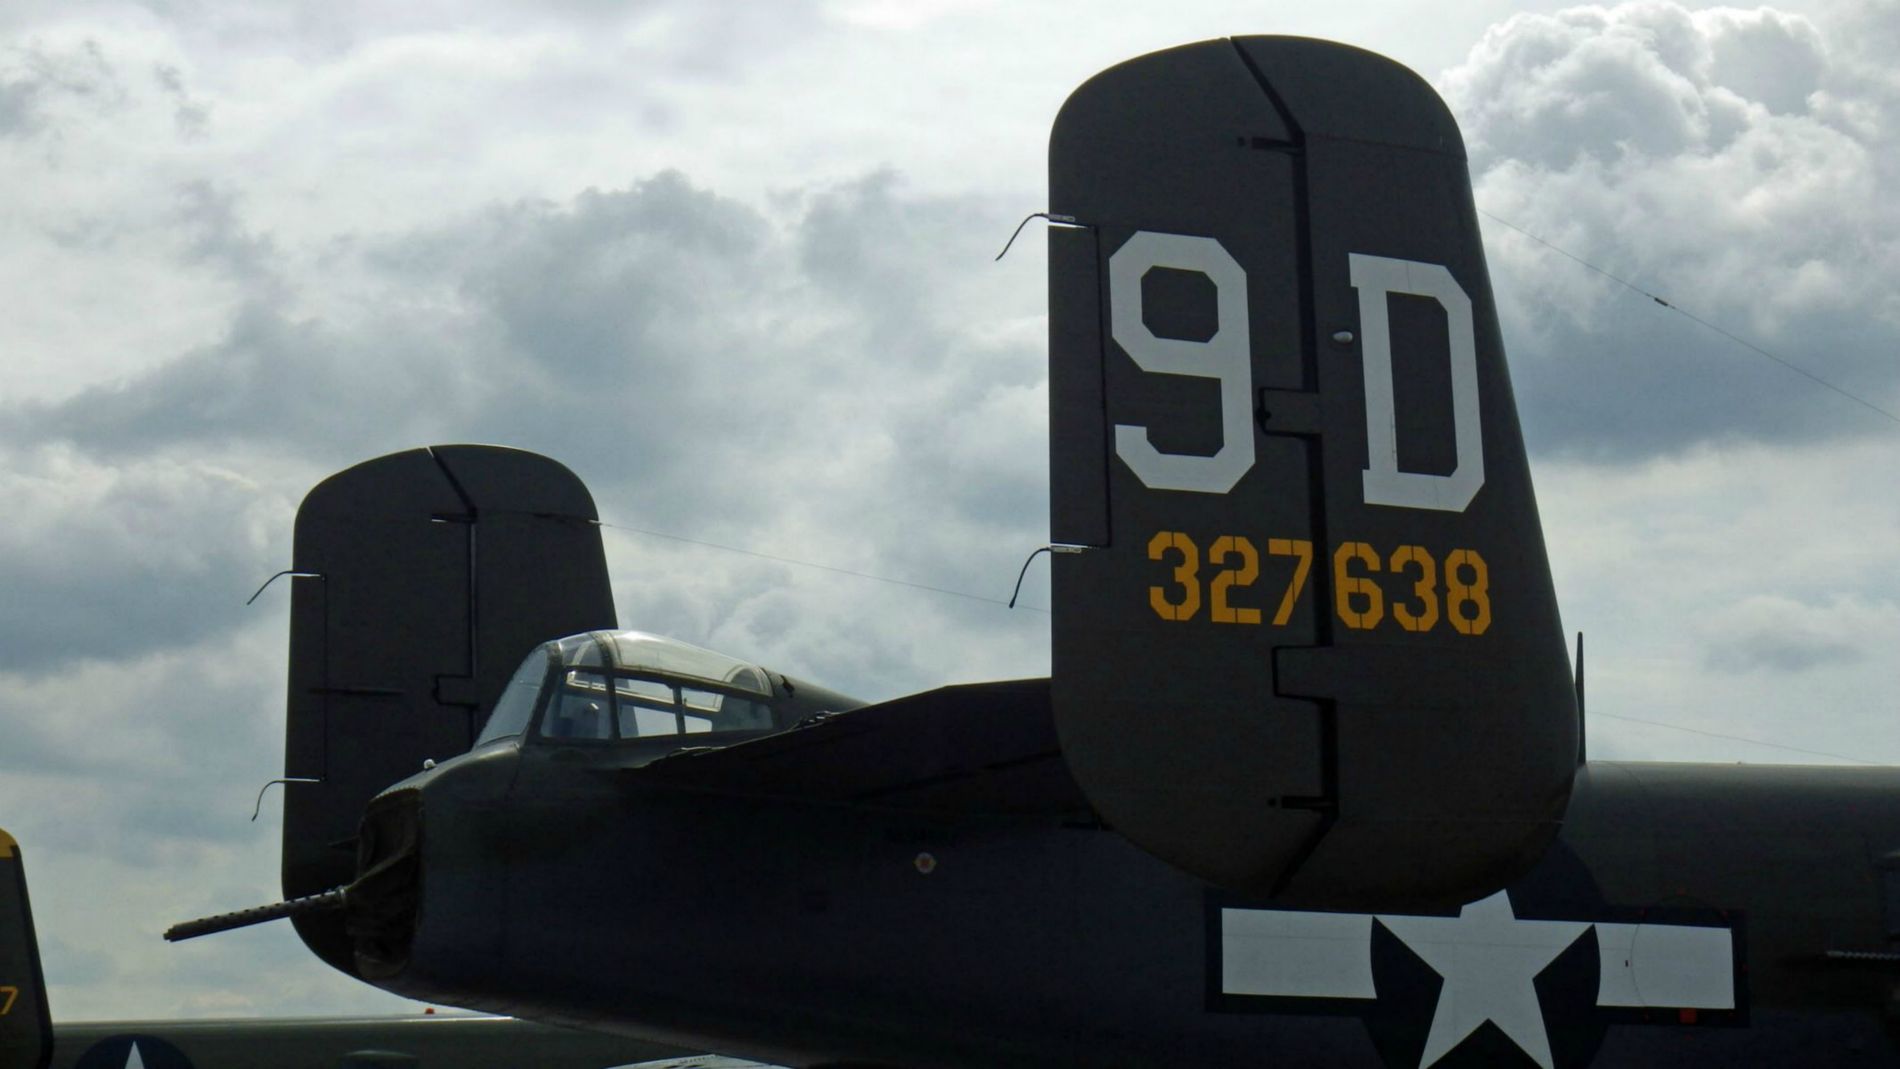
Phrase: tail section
(1313, 649)
(424, 578)
(26, 1025)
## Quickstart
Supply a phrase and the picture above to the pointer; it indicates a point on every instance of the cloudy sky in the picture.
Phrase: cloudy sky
(732, 263)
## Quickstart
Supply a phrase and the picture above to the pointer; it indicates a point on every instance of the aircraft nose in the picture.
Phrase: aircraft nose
(384, 899)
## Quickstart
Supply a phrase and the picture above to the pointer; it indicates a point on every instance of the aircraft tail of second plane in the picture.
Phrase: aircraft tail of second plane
(26, 1025)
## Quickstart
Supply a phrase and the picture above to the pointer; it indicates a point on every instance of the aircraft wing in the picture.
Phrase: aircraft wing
(983, 748)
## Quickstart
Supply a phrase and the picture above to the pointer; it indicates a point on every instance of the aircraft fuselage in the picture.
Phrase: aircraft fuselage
(1687, 910)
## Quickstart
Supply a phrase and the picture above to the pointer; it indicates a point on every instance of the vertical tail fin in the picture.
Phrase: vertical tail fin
(425, 577)
(26, 1025)
(1313, 649)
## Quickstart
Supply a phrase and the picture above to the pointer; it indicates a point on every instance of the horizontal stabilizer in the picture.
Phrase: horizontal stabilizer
(982, 748)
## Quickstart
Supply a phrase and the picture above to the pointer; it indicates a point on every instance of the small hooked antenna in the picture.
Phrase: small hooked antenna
(259, 807)
(1051, 548)
(1059, 220)
(280, 575)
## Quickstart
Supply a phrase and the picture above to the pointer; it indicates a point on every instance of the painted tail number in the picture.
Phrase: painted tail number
(1459, 594)
(1237, 567)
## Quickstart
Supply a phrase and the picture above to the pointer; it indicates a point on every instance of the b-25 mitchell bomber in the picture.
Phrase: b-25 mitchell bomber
(1306, 784)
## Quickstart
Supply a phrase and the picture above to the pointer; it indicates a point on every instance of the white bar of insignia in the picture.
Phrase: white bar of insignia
(1677, 966)
(1300, 955)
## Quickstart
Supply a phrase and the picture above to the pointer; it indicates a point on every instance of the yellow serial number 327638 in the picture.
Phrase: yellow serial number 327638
(1358, 599)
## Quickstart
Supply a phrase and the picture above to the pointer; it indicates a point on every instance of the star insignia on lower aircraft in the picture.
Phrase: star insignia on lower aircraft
(1542, 981)
(1489, 959)
(126, 1051)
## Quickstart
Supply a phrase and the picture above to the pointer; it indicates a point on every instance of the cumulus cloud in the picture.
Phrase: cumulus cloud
(38, 81)
(1730, 161)
(1646, 79)
(106, 560)
(703, 363)
(1745, 590)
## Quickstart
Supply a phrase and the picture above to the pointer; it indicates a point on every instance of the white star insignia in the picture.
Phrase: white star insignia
(1488, 959)
(133, 1059)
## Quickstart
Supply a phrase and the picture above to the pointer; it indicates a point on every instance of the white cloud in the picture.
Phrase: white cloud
(1766, 633)
(112, 559)
(1744, 590)
(1663, 146)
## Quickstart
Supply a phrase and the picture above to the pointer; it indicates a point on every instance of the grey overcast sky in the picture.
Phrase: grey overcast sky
(732, 263)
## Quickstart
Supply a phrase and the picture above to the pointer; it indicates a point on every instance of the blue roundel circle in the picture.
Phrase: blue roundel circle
(132, 1052)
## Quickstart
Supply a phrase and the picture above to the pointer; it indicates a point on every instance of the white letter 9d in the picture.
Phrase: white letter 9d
(1223, 357)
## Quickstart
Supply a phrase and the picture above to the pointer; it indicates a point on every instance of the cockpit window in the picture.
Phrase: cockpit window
(629, 685)
(655, 707)
(651, 707)
(581, 649)
(634, 650)
(579, 709)
(516, 705)
(730, 710)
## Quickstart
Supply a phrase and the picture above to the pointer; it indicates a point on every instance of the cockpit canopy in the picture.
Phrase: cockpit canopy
(604, 686)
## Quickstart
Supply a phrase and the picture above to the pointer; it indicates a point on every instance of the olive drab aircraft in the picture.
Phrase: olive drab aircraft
(1306, 785)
